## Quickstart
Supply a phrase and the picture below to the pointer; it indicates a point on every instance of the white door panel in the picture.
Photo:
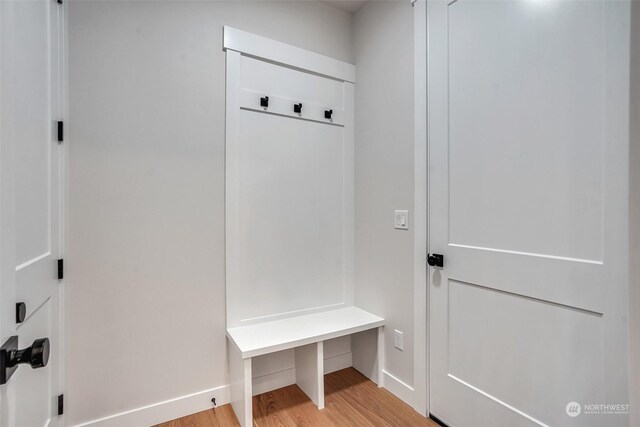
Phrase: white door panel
(521, 107)
(32, 128)
(495, 346)
(34, 403)
(30, 40)
(528, 122)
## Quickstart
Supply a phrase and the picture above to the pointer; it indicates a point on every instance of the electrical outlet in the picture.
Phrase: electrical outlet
(398, 340)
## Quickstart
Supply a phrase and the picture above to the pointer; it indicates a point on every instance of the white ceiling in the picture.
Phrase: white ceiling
(351, 6)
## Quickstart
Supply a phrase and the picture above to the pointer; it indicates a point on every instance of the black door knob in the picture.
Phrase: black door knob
(37, 355)
(435, 260)
(10, 357)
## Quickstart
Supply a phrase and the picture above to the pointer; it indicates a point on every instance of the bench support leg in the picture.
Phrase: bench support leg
(368, 354)
(310, 371)
(380, 361)
(240, 385)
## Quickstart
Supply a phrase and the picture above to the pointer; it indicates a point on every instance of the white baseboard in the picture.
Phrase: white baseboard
(276, 380)
(164, 411)
(273, 381)
(398, 388)
(189, 404)
(337, 362)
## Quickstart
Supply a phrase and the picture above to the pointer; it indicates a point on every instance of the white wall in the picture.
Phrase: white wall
(383, 48)
(634, 215)
(146, 314)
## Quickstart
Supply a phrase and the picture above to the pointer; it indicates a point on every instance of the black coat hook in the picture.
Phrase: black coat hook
(297, 108)
(264, 101)
(327, 114)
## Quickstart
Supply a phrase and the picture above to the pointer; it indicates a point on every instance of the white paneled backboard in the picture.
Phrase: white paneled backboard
(289, 181)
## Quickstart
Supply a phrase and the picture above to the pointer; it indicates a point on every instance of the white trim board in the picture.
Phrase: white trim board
(286, 54)
(182, 406)
(420, 277)
(398, 388)
(286, 377)
(273, 381)
(200, 401)
(164, 411)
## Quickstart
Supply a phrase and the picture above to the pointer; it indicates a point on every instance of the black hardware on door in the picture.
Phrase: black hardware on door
(435, 260)
(297, 108)
(60, 131)
(10, 357)
(328, 114)
(21, 312)
(61, 404)
(264, 101)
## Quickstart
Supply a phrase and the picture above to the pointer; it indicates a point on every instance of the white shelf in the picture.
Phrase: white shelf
(268, 337)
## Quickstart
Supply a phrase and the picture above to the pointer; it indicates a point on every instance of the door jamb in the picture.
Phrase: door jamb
(420, 228)
(63, 193)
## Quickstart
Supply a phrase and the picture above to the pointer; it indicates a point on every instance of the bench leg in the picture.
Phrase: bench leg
(368, 354)
(310, 371)
(240, 385)
(380, 350)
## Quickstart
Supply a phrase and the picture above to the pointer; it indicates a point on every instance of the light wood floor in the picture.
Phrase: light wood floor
(351, 399)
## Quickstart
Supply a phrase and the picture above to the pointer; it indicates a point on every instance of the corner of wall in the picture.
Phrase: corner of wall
(634, 216)
(383, 37)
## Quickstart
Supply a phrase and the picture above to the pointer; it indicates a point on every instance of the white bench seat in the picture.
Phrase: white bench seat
(305, 334)
(268, 337)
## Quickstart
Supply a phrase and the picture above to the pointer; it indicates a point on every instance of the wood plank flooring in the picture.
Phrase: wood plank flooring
(351, 399)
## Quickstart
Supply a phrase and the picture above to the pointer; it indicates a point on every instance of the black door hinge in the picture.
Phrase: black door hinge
(60, 131)
(59, 1)
(61, 404)
(60, 269)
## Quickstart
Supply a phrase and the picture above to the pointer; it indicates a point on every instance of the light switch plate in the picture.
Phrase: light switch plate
(398, 340)
(401, 220)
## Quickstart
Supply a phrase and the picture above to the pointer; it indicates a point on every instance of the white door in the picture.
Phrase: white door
(30, 40)
(528, 134)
